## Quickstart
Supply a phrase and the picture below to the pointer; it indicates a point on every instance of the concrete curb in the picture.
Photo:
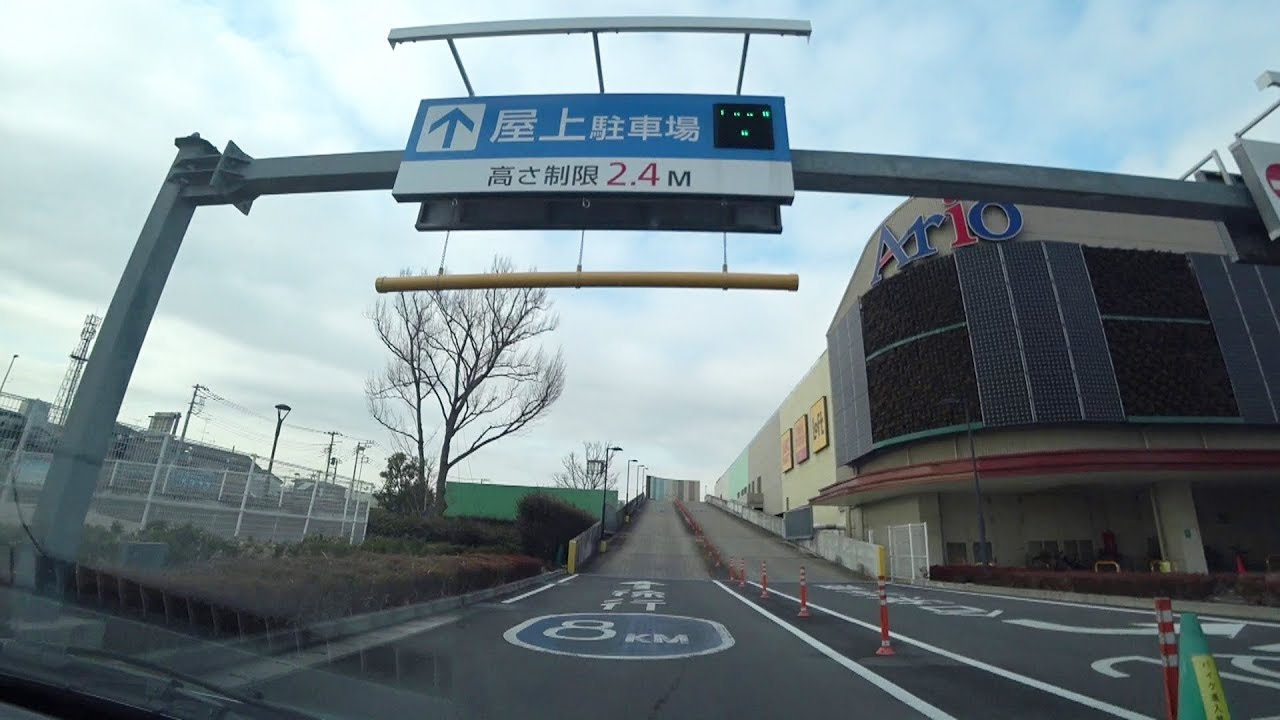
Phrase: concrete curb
(338, 628)
(1215, 609)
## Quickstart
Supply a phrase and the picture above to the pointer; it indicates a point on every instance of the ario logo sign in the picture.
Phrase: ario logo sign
(970, 225)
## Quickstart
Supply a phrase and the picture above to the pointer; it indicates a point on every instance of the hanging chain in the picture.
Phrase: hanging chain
(582, 241)
(444, 252)
(724, 267)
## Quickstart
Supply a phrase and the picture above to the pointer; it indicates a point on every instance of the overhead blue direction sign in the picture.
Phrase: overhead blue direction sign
(729, 146)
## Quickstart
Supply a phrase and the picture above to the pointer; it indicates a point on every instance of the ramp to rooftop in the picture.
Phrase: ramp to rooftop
(655, 545)
(737, 538)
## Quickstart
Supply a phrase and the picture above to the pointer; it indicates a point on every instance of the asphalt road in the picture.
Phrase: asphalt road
(646, 633)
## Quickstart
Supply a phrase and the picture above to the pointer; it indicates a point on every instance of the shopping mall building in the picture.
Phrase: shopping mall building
(1122, 374)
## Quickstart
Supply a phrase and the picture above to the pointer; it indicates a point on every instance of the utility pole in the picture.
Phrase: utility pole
(351, 493)
(328, 459)
(195, 395)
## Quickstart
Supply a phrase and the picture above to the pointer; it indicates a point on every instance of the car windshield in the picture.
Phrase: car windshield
(911, 358)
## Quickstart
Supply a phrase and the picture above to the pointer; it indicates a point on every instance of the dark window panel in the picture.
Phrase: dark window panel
(1002, 383)
(1232, 335)
(1044, 346)
(1261, 324)
(1089, 353)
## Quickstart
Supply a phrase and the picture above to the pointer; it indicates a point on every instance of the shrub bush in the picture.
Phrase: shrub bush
(459, 531)
(1255, 588)
(545, 524)
(1260, 589)
(304, 589)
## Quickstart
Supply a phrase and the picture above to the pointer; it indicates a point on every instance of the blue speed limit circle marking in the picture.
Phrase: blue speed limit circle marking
(621, 636)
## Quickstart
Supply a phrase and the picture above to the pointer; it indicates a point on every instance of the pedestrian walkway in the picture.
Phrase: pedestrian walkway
(737, 538)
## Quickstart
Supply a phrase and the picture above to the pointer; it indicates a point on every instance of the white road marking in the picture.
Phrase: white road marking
(1106, 667)
(894, 690)
(565, 580)
(1089, 702)
(641, 584)
(1228, 630)
(522, 596)
(1064, 603)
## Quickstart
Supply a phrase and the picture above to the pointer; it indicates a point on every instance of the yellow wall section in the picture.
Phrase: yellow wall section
(806, 479)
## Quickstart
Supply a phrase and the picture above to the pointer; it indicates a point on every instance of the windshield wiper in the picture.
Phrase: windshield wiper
(178, 686)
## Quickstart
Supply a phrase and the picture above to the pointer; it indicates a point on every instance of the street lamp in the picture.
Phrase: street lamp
(627, 498)
(981, 556)
(282, 411)
(6, 372)
(604, 487)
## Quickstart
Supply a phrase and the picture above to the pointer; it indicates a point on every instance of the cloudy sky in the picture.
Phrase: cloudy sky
(270, 308)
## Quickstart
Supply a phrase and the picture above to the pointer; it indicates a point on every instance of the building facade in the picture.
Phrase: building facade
(1120, 375)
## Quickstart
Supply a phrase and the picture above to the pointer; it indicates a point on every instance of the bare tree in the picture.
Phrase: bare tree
(400, 394)
(474, 355)
(578, 471)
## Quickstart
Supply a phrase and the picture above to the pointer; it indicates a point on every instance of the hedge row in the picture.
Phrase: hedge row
(456, 531)
(310, 589)
(1253, 588)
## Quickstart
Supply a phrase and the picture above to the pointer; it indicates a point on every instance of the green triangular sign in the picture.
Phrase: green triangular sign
(1200, 695)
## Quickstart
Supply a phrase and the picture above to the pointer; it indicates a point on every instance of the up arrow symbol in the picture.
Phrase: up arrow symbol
(451, 120)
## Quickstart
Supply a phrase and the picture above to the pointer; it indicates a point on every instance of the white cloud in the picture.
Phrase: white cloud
(269, 308)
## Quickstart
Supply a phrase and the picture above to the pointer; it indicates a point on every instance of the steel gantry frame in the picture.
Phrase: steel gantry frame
(202, 176)
(596, 25)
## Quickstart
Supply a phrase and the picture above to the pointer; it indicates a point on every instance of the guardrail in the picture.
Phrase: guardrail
(589, 542)
(755, 517)
(857, 555)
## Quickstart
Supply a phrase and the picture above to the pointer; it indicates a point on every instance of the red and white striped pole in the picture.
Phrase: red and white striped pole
(804, 595)
(885, 647)
(1168, 654)
(764, 580)
(742, 573)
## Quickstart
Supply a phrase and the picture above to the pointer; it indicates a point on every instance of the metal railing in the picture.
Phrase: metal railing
(150, 477)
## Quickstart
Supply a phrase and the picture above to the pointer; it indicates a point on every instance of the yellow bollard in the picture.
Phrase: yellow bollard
(573, 557)
(604, 546)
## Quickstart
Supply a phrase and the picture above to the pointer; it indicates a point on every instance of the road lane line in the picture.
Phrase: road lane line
(1065, 603)
(522, 596)
(896, 691)
(1089, 702)
(565, 580)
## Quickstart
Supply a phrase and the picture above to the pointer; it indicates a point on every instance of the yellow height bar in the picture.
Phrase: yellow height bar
(482, 281)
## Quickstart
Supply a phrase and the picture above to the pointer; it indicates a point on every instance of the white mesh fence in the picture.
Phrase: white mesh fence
(151, 477)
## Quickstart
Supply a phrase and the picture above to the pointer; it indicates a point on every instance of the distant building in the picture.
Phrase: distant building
(488, 501)
(1118, 373)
